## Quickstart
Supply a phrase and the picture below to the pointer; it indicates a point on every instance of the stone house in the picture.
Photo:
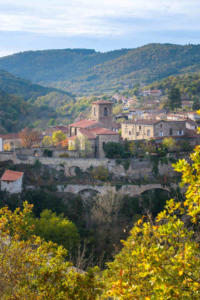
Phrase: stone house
(149, 129)
(92, 140)
(11, 181)
(10, 141)
(98, 130)
(153, 93)
(82, 124)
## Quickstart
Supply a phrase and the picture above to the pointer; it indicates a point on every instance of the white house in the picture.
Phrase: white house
(11, 181)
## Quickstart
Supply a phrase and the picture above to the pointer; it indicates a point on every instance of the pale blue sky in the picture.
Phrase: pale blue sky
(99, 24)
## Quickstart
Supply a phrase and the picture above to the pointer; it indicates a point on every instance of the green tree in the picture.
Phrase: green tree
(56, 228)
(113, 150)
(196, 103)
(174, 98)
(58, 136)
(100, 173)
(31, 268)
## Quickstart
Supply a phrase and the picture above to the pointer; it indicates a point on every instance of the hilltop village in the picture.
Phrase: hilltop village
(88, 137)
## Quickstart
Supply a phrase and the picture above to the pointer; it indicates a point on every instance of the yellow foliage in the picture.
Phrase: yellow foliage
(47, 141)
(7, 147)
(31, 268)
(162, 260)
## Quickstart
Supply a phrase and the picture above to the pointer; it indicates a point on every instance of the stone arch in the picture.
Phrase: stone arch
(154, 200)
(74, 170)
(152, 187)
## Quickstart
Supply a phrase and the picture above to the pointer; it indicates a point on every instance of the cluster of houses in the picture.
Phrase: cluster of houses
(102, 128)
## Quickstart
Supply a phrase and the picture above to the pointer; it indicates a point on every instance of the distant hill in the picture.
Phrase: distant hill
(24, 88)
(85, 72)
(188, 84)
(25, 104)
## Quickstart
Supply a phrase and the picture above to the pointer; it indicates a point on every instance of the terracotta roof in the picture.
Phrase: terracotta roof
(92, 133)
(152, 121)
(103, 131)
(10, 175)
(87, 132)
(102, 102)
(144, 121)
(9, 136)
(84, 123)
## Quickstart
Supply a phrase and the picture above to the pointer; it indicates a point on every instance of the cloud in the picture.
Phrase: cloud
(94, 17)
(101, 24)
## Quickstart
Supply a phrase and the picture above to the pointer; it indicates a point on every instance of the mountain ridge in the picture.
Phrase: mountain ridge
(86, 71)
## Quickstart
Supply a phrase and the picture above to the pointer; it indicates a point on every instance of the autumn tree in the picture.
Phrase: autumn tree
(31, 268)
(47, 141)
(161, 258)
(29, 137)
(169, 143)
(58, 136)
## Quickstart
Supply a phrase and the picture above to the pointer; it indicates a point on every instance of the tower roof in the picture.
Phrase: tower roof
(102, 102)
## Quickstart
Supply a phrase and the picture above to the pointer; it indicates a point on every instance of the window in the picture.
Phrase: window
(180, 132)
(160, 125)
(129, 132)
(140, 127)
(170, 131)
(105, 111)
(137, 133)
(148, 132)
(161, 133)
(94, 111)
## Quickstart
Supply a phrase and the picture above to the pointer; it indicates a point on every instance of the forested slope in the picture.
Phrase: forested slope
(83, 71)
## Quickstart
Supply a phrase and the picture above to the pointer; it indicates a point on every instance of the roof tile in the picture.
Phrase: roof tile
(10, 175)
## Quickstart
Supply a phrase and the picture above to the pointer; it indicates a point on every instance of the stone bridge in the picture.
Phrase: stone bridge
(132, 190)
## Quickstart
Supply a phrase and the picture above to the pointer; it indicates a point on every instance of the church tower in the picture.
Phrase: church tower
(102, 113)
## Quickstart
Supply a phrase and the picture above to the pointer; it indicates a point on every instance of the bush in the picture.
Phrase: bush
(114, 150)
(100, 173)
(56, 228)
(169, 143)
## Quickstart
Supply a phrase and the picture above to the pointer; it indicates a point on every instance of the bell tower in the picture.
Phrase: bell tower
(102, 113)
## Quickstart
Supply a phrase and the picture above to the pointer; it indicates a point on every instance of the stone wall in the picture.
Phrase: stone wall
(137, 169)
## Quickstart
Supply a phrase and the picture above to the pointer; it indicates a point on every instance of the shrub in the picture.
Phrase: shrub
(113, 150)
(100, 173)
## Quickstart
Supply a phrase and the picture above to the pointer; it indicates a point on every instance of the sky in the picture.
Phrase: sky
(102, 25)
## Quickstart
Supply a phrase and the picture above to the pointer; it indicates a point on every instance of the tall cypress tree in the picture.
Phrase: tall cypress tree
(174, 98)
